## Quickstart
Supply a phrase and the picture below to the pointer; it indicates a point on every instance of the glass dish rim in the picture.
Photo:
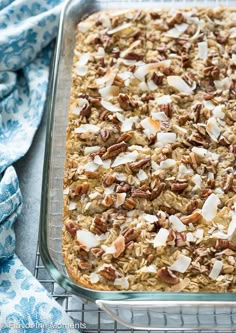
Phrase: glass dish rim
(61, 279)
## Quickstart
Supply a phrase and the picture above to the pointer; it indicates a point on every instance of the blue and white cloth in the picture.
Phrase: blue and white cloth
(27, 32)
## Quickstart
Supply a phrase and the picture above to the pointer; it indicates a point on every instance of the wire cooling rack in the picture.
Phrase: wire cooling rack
(92, 319)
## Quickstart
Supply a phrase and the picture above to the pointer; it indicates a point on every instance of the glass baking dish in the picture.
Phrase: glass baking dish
(141, 310)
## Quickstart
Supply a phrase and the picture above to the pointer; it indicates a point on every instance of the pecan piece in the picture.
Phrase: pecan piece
(228, 182)
(193, 205)
(109, 180)
(72, 227)
(130, 235)
(86, 111)
(114, 150)
(123, 188)
(180, 239)
(92, 174)
(157, 191)
(82, 254)
(183, 120)
(194, 160)
(178, 186)
(108, 201)
(98, 226)
(196, 112)
(166, 275)
(196, 139)
(176, 19)
(134, 56)
(99, 152)
(167, 109)
(224, 141)
(105, 115)
(192, 218)
(232, 148)
(137, 193)
(129, 204)
(84, 264)
(119, 245)
(157, 78)
(126, 102)
(97, 252)
(108, 273)
(79, 190)
(105, 134)
(186, 61)
(222, 244)
(212, 71)
(141, 164)
(125, 137)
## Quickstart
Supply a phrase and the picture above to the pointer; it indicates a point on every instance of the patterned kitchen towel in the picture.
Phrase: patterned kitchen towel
(27, 31)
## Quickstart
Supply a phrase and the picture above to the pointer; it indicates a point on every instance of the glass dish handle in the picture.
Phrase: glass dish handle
(172, 315)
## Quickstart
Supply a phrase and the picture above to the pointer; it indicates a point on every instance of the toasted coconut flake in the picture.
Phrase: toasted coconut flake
(202, 152)
(82, 102)
(148, 269)
(110, 107)
(108, 79)
(66, 190)
(168, 137)
(105, 20)
(126, 75)
(177, 31)
(217, 112)
(209, 209)
(161, 238)
(90, 150)
(100, 53)
(143, 86)
(129, 49)
(72, 205)
(151, 85)
(199, 233)
(181, 264)
(224, 84)
(91, 166)
(81, 70)
(168, 163)
(87, 239)
(232, 225)
(94, 195)
(84, 26)
(119, 245)
(149, 218)
(143, 70)
(120, 199)
(216, 269)
(197, 179)
(107, 164)
(181, 285)
(98, 160)
(209, 105)
(110, 189)
(202, 50)
(151, 126)
(190, 237)
(119, 28)
(108, 249)
(87, 128)
(183, 170)
(165, 99)
(122, 282)
(127, 124)
(94, 277)
(179, 84)
(161, 116)
(141, 175)
(213, 129)
(233, 32)
(125, 158)
(177, 223)
(109, 92)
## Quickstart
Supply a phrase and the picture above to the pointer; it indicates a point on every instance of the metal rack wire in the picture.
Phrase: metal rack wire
(91, 317)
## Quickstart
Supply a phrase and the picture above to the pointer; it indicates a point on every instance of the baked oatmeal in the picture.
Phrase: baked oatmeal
(150, 183)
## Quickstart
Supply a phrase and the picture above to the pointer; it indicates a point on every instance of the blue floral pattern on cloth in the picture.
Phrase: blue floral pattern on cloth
(27, 32)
